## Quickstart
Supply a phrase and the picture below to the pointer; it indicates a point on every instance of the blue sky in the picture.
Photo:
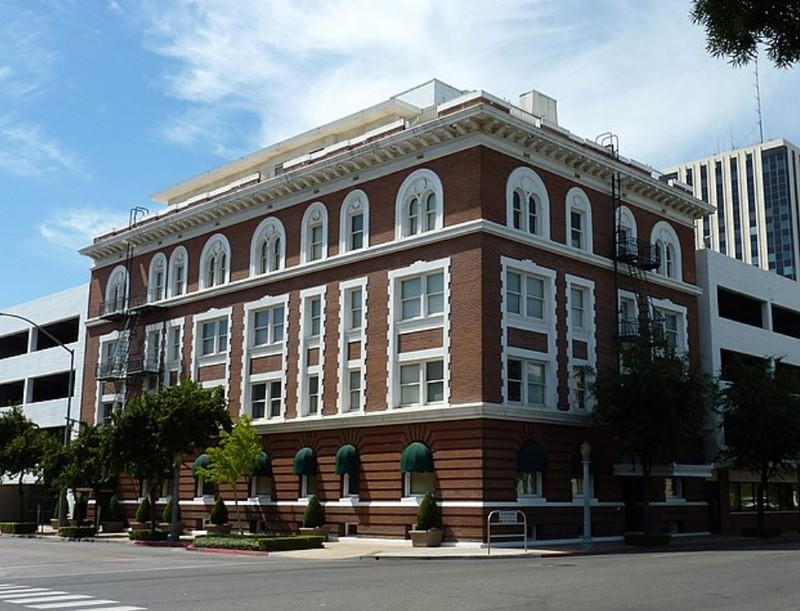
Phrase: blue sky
(104, 102)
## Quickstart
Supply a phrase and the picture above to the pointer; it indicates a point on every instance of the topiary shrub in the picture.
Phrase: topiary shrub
(144, 534)
(77, 532)
(145, 512)
(314, 516)
(260, 544)
(18, 528)
(428, 515)
(219, 513)
(166, 515)
(112, 512)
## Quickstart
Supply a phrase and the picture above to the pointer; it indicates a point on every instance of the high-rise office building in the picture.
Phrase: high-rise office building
(755, 190)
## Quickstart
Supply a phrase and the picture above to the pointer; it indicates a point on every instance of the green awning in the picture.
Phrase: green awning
(263, 466)
(347, 460)
(531, 458)
(416, 458)
(201, 462)
(305, 462)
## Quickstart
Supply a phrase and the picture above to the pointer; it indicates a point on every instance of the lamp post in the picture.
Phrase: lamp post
(62, 509)
(586, 454)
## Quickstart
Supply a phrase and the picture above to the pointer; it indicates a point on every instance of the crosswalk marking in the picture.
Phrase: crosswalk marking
(44, 598)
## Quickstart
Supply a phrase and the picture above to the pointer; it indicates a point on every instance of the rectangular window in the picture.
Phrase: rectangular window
(419, 484)
(671, 329)
(313, 394)
(314, 316)
(355, 308)
(175, 344)
(422, 383)
(158, 285)
(275, 398)
(673, 488)
(177, 280)
(577, 297)
(525, 382)
(214, 336)
(356, 231)
(576, 228)
(262, 486)
(265, 400)
(258, 401)
(422, 296)
(579, 387)
(529, 483)
(524, 295)
(354, 388)
(268, 326)
(315, 251)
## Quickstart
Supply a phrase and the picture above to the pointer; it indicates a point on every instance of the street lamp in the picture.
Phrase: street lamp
(62, 509)
(586, 454)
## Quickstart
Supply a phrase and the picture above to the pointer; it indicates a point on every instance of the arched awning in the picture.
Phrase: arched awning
(347, 460)
(416, 458)
(263, 466)
(305, 462)
(531, 458)
(201, 462)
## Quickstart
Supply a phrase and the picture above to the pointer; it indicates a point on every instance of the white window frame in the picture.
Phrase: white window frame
(177, 280)
(668, 247)
(350, 333)
(117, 290)
(356, 202)
(157, 278)
(315, 216)
(419, 186)
(275, 327)
(423, 382)
(586, 333)
(270, 235)
(577, 202)
(201, 360)
(527, 269)
(215, 262)
(305, 491)
(347, 494)
(529, 186)
(270, 398)
(525, 399)
(664, 307)
(409, 483)
(254, 494)
(538, 493)
(309, 340)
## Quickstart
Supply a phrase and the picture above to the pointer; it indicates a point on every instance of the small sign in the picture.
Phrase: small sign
(507, 517)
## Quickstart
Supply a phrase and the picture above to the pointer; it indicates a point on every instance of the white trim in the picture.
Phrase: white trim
(316, 215)
(219, 242)
(306, 342)
(347, 336)
(529, 182)
(269, 229)
(420, 183)
(354, 203)
(179, 256)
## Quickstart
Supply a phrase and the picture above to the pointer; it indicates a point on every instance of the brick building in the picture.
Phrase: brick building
(407, 299)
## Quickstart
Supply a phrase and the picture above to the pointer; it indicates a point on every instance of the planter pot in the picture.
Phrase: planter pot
(426, 538)
(113, 526)
(218, 529)
(317, 531)
(165, 526)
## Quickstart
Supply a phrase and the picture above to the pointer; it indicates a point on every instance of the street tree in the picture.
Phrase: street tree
(759, 400)
(234, 458)
(735, 28)
(22, 446)
(651, 403)
(154, 431)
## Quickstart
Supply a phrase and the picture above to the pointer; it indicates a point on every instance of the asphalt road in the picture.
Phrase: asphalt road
(33, 572)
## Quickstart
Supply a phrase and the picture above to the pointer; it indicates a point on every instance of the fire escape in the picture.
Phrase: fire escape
(125, 363)
(644, 324)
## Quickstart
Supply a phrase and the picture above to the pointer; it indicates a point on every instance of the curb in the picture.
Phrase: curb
(227, 552)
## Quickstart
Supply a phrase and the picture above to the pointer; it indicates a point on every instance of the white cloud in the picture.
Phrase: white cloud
(26, 60)
(26, 150)
(638, 69)
(70, 230)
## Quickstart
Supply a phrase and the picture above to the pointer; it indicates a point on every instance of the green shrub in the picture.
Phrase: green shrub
(257, 543)
(219, 513)
(314, 516)
(764, 532)
(166, 515)
(646, 539)
(144, 534)
(80, 510)
(145, 512)
(18, 528)
(112, 512)
(428, 515)
(77, 532)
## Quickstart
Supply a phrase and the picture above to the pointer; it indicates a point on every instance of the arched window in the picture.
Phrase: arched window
(268, 248)
(579, 219)
(527, 203)
(157, 278)
(626, 224)
(116, 290)
(178, 264)
(354, 222)
(314, 239)
(214, 268)
(668, 249)
(419, 205)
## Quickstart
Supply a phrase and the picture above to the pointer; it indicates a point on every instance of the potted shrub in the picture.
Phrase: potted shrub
(80, 510)
(166, 517)
(112, 520)
(144, 514)
(427, 531)
(314, 519)
(218, 519)
(56, 510)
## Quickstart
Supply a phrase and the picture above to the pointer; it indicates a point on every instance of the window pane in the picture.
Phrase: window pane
(410, 296)
(275, 399)
(434, 377)
(513, 292)
(527, 484)
(516, 205)
(261, 327)
(535, 378)
(532, 210)
(356, 231)
(534, 302)
(277, 324)
(420, 483)
(435, 291)
(409, 384)
(258, 403)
